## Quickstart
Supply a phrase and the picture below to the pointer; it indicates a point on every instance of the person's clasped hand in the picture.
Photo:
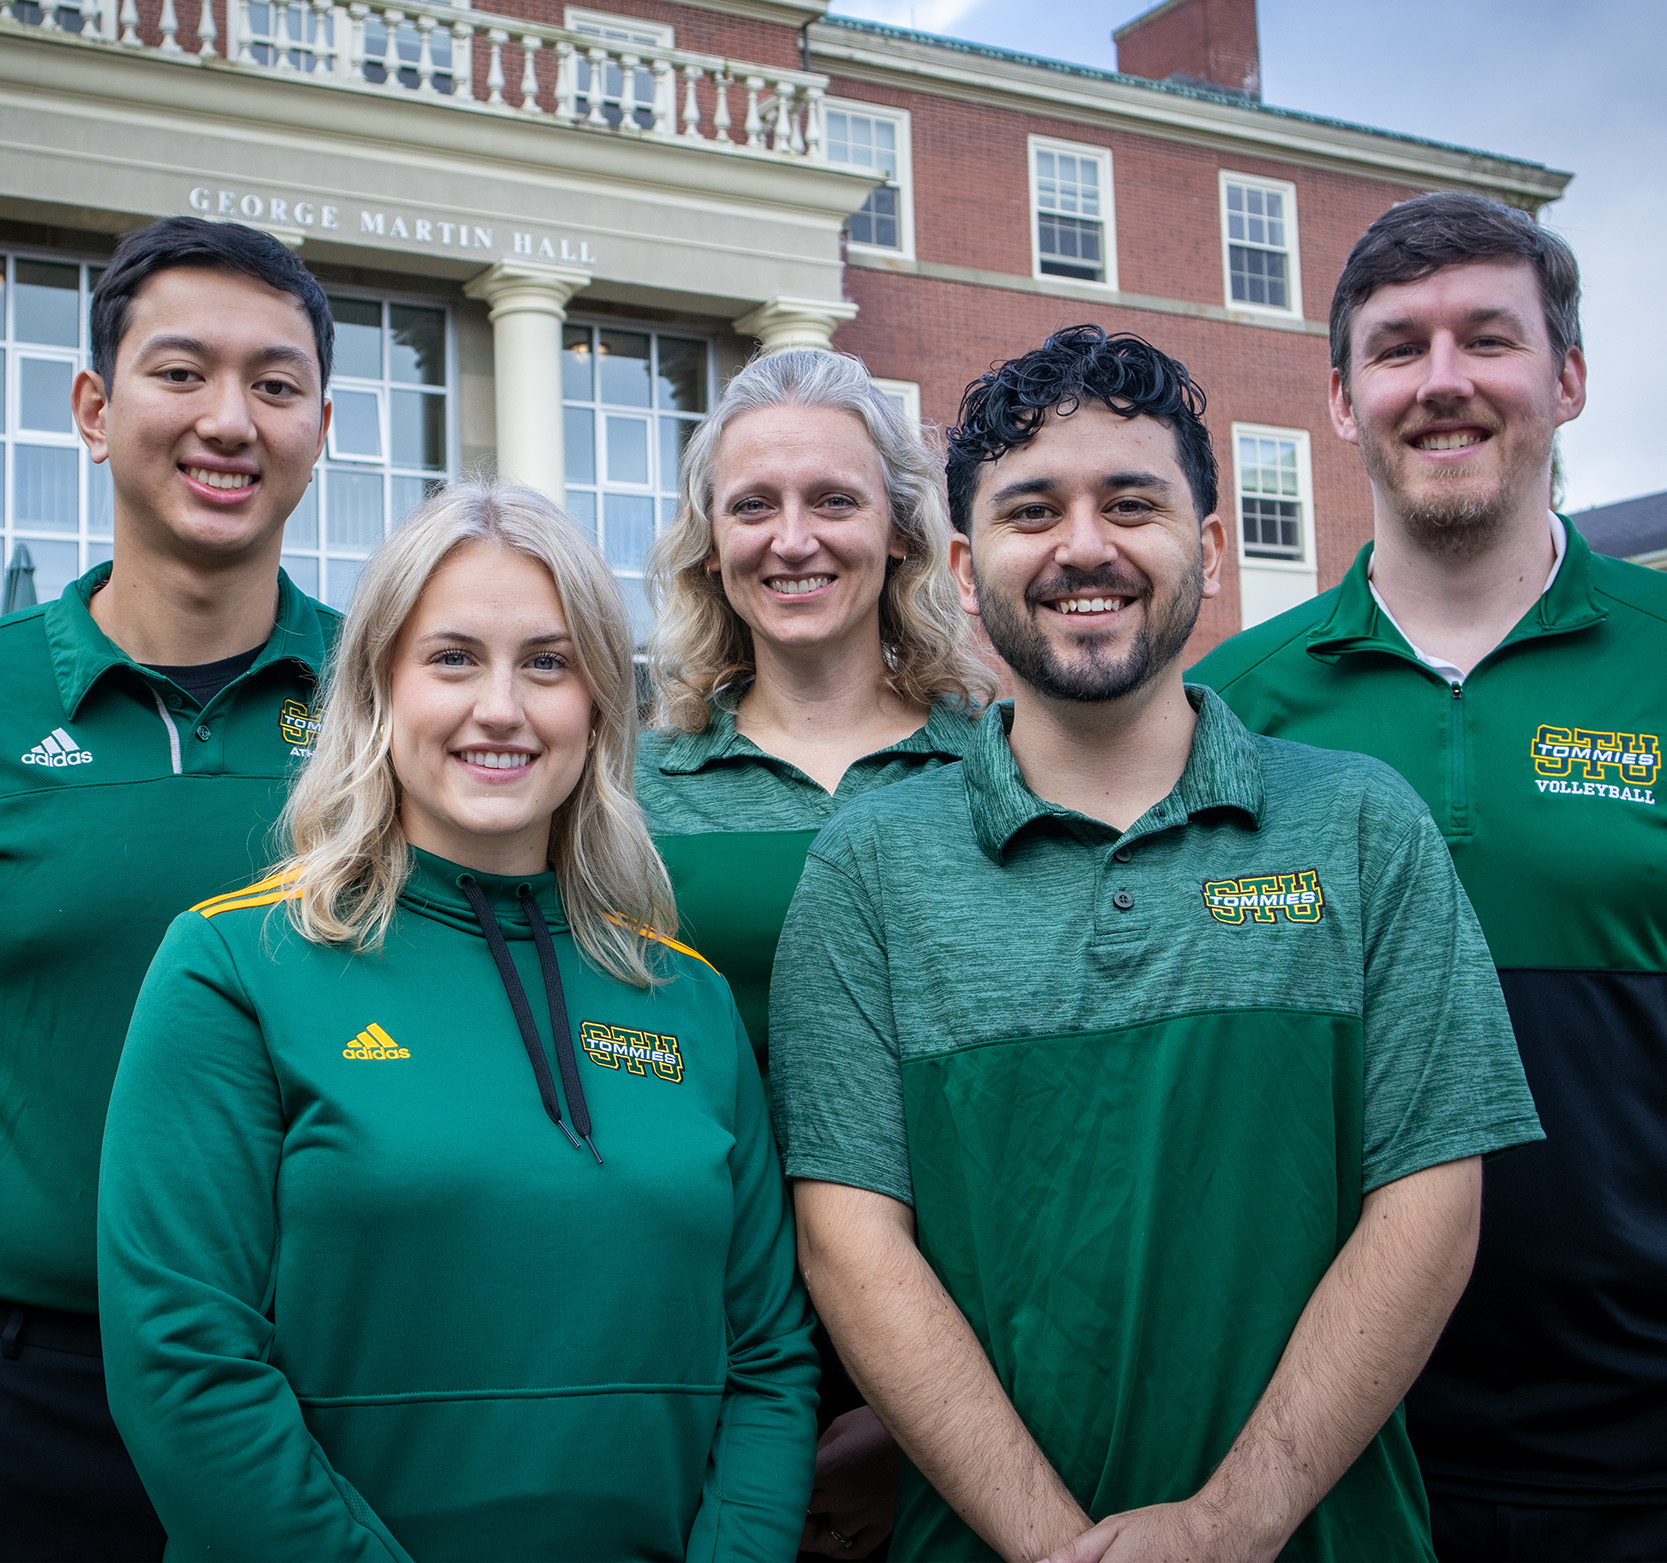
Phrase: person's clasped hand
(854, 1500)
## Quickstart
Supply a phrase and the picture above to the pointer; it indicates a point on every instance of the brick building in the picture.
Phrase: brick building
(549, 231)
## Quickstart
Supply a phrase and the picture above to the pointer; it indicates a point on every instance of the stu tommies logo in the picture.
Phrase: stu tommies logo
(1267, 898)
(1586, 763)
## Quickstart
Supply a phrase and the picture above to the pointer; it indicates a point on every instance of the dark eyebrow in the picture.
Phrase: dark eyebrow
(1481, 316)
(1117, 480)
(1023, 486)
(277, 353)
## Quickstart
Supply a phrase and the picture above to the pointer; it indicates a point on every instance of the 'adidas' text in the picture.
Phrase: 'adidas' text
(58, 749)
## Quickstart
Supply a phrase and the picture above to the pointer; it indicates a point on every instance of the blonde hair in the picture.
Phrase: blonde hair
(348, 854)
(702, 646)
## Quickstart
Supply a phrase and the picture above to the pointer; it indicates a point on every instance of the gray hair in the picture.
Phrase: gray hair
(701, 645)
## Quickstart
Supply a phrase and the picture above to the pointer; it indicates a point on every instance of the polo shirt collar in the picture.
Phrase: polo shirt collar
(1357, 622)
(1223, 771)
(719, 741)
(82, 653)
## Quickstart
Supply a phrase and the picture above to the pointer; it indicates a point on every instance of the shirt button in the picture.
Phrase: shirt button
(204, 734)
(1122, 900)
(1122, 854)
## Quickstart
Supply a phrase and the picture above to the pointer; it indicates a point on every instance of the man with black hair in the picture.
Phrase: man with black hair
(1135, 1073)
(1515, 679)
(154, 715)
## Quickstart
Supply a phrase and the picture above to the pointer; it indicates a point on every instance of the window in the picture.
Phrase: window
(1276, 520)
(632, 399)
(864, 136)
(53, 501)
(906, 393)
(390, 440)
(1073, 233)
(1259, 241)
(623, 32)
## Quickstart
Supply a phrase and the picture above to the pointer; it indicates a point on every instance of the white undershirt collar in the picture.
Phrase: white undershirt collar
(1559, 547)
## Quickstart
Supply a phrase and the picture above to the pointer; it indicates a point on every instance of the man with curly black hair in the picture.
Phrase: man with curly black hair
(1135, 1073)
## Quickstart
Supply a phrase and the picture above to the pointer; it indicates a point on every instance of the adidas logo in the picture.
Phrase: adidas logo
(57, 750)
(374, 1042)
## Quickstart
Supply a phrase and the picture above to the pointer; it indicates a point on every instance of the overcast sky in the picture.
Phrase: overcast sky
(1577, 87)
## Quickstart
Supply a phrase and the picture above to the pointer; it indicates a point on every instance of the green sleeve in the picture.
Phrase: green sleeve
(1442, 1076)
(835, 1074)
(187, 1244)
(763, 1456)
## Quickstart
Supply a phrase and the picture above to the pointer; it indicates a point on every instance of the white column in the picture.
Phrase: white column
(528, 304)
(796, 322)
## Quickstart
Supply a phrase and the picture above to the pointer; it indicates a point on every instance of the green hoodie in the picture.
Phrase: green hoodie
(361, 1298)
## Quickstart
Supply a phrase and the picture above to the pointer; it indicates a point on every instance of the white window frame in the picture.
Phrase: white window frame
(903, 120)
(660, 34)
(1293, 253)
(1108, 211)
(1270, 586)
(905, 391)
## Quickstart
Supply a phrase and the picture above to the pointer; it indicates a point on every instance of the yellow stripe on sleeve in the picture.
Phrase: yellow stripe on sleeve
(271, 882)
(209, 909)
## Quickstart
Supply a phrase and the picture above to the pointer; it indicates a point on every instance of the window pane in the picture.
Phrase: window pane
(2, 365)
(627, 450)
(301, 530)
(581, 506)
(622, 357)
(417, 429)
(47, 488)
(579, 444)
(355, 427)
(417, 353)
(576, 381)
(682, 377)
(358, 338)
(99, 553)
(353, 511)
(405, 495)
(674, 436)
(101, 500)
(43, 386)
(46, 306)
(56, 565)
(629, 524)
(303, 571)
(344, 580)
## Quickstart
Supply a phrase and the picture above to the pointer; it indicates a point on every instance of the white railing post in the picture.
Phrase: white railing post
(782, 137)
(754, 124)
(357, 14)
(597, 90)
(628, 93)
(425, 54)
(170, 28)
(720, 111)
(205, 30)
(530, 45)
(392, 20)
(665, 98)
(463, 62)
(280, 36)
(691, 103)
(497, 37)
(567, 83)
(130, 25)
(245, 31)
(325, 46)
(813, 124)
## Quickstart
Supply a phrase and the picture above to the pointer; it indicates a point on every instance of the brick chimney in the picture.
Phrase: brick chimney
(1201, 43)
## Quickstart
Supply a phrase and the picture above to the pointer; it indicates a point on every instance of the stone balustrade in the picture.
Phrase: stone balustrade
(444, 55)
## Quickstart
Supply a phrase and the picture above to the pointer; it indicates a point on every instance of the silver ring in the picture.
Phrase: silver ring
(844, 1541)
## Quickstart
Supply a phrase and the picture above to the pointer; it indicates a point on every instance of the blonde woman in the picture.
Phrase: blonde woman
(441, 1215)
(810, 647)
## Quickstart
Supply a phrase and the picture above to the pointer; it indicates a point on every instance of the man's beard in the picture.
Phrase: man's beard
(1454, 526)
(1099, 676)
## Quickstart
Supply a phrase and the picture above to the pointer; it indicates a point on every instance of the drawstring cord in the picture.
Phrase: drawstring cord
(560, 1029)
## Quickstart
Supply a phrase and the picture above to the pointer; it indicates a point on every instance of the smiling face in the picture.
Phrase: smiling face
(801, 527)
(490, 720)
(1086, 557)
(1453, 398)
(214, 419)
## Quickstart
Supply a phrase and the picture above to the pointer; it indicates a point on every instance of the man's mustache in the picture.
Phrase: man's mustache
(1108, 581)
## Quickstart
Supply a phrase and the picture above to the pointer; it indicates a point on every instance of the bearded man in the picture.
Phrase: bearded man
(1517, 682)
(1135, 1073)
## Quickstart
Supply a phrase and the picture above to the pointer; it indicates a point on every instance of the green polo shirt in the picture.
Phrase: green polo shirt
(734, 823)
(1135, 1085)
(1542, 769)
(121, 804)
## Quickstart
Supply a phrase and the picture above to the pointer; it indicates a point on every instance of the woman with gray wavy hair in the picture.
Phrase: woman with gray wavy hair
(810, 647)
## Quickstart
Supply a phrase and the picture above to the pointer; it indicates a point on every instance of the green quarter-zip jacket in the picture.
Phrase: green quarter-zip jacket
(363, 1299)
(1135, 1085)
(734, 824)
(121, 803)
(1543, 771)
